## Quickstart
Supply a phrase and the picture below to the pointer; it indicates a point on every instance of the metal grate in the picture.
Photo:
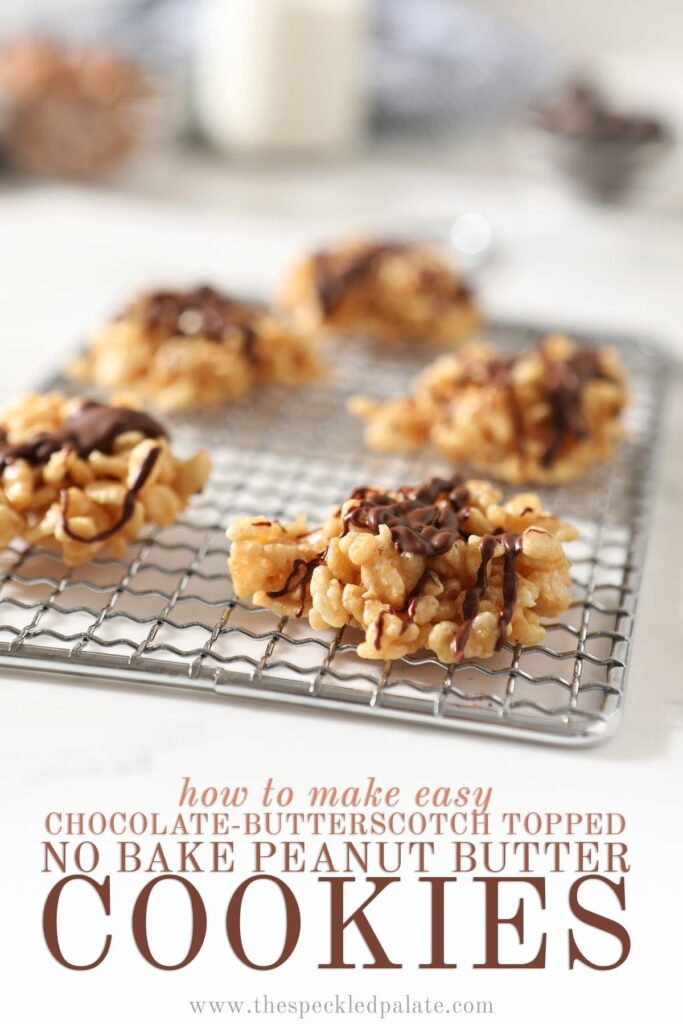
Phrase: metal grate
(166, 613)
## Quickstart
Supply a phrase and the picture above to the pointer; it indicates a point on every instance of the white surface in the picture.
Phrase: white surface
(586, 28)
(71, 255)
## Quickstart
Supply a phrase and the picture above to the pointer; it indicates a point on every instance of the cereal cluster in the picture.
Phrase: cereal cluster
(444, 567)
(79, 476)
(183, 349)
(388, 291)
(541, 416)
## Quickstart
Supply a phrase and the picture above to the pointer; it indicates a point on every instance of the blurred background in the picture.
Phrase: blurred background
(539, 141)
(589, 92)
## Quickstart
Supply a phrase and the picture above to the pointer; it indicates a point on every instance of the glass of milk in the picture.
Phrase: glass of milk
(281, 76)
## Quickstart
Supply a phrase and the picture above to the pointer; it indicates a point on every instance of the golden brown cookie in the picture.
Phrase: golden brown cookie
(390, 291)
(543, 415)
(80, 476)
(443, 567)
(200, 347)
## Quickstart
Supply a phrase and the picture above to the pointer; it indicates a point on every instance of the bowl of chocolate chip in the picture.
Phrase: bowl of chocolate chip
(603, 150)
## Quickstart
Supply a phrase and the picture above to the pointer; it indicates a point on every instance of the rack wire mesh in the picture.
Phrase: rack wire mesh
(166, 614)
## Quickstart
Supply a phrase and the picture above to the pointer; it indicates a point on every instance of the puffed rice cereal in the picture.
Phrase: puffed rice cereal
(543, 415)
(80, 476)
(201, 347)
(390, 291)
(443, 567)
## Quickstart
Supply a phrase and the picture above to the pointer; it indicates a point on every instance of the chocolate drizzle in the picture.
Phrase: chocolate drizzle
(127, 508)
(92, 427)
(565, 381)
(423, 520)
(499, 373)
(202, 312)
(409, 606)
(512, 546)
(298, 579)
(335, 274)
(379, 627)
(426, 521)
(474, 595)
(410, 603)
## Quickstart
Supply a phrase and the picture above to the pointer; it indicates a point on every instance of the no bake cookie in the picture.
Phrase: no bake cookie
(443, 567)
(80, 476)
(390, 291)
(539, 416)
(200, 347)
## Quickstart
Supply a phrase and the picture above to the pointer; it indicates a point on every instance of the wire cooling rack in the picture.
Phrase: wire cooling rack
(166, 613)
